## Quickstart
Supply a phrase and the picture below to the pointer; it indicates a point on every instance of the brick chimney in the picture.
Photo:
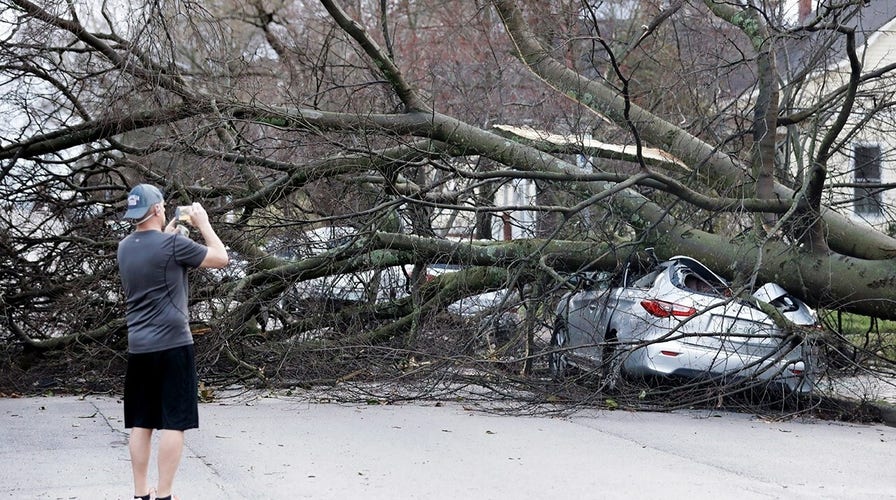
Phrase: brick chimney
(805, 10)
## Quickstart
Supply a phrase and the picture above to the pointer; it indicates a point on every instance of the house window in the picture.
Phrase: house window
(867, 171)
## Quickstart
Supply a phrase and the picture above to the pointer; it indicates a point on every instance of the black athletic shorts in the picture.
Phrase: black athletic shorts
(160, 390)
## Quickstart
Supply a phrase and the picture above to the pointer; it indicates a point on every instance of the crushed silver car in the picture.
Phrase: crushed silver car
(680, 320)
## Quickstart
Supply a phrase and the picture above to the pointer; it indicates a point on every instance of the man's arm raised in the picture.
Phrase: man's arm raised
(217, 254)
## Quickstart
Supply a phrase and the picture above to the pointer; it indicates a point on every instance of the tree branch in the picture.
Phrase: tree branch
(843, 233)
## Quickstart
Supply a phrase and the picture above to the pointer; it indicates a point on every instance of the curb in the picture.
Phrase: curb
(851, 409)
(887, 413)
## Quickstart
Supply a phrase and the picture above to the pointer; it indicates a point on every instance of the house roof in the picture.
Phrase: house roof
(802, 52)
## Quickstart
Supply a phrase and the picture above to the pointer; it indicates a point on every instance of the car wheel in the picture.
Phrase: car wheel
(557, 360)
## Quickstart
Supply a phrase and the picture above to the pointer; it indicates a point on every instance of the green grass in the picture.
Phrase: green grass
(870, 334)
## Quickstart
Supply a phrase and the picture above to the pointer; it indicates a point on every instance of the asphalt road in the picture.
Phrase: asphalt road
(273, 448)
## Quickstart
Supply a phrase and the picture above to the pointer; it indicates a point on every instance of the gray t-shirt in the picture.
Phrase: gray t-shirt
(153, 267)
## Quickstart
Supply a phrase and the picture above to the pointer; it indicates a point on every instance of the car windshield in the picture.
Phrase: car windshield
(688, 274)
(647, 280)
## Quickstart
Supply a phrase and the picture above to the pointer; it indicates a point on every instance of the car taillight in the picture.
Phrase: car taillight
(663, 309)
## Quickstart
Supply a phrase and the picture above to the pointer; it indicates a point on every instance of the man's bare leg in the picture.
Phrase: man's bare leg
(140, 446)
(171, 447)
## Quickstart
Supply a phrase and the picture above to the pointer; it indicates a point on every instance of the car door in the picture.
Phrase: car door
(587, 324)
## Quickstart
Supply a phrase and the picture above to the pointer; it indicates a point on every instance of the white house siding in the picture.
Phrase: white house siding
(515, 224)
(508, 220)
(879, 51)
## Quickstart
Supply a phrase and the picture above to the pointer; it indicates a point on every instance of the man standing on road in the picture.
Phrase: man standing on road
(161, 382)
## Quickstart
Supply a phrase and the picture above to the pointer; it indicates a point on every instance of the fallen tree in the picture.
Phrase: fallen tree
(285, 119)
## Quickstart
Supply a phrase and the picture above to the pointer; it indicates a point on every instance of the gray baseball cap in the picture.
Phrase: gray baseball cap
(140, 199)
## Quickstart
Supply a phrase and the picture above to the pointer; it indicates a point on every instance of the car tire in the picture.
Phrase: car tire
(557, 359)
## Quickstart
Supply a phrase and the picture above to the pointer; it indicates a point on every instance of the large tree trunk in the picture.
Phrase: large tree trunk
(715, 167)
